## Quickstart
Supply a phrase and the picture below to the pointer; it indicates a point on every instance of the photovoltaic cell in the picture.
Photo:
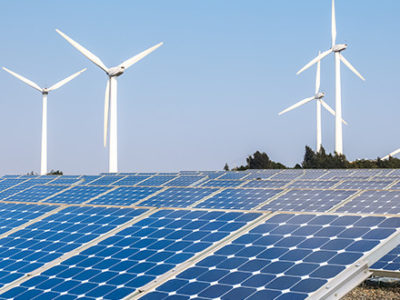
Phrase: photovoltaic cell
(358, 184)
(222, 183)
(106, 180)
(36, 193)
(373, 202)
(308, 200)
(266, 184)
(131, 180)
(124, 262)
(125, 195)
(185, 180)
(287, 257)
(238, 198)
(234, 175)
(178, 197)
(30, 248)
(157, 180)
(79, 194)
(390, 262)
(312, 184)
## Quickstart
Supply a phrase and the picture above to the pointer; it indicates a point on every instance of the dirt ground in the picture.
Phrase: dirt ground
(365, 292)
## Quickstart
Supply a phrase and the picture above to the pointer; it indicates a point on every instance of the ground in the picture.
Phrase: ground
(374, 292)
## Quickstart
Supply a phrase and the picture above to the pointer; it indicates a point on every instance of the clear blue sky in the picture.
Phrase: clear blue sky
(210, 95)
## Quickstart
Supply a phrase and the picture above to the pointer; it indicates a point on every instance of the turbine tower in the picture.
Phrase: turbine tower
(336, 49)
(319, 100)
(110, 103)
(44, 91)
(391, 154)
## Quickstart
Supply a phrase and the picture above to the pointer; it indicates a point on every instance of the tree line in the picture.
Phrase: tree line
(317, 160)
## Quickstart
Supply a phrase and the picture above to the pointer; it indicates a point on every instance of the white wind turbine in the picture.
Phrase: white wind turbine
(110, 105)
(337, 49)
(44, 91)
(391, 154)
(318, 98)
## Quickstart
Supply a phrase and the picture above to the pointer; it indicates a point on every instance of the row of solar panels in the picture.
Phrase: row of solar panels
(87, 252)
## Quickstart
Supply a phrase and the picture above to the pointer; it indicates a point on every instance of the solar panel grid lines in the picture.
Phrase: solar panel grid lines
(127, 275)
(90, 178)
(291, 266)
(282, 193)
(312, 184)
(142, 214)
(223, 183)
(363, 184)
(344, 202)
(37, 193)
(217, 191)
(79, 194)
(267, 184)
(186, 180)
(132, 180)
(107, 180)
(157, 180)
(138, 203)
(395, 185)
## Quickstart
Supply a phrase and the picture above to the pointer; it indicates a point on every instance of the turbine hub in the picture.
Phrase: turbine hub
(116, 71)
(339, 47)
(320, 95)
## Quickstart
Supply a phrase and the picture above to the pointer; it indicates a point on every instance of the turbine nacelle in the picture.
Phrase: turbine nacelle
(320, 95)
(116, 71)
(339, 47)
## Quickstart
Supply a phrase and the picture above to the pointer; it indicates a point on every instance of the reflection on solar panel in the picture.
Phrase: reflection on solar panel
(106, 180)
(287, 257)
(234, 175)
(238, 198)
(178, 197)
(27, 249)
(265, 184)
(13, 215)
(390, 262)
(125, 195)
(119, 265)
(36, 193)
(131, 180)
(157, 180)
(356, 184)
(308, 200)
(222, 183)
(312, 184)
(78, 194)
(373, 202)
(185, 180)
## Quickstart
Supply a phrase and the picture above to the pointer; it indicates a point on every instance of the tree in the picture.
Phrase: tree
(226, 167)
(260, 160)
(52, 172)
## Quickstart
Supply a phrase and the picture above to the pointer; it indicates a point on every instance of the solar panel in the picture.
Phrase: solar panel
(78, 194)
(396, 186)
(373, 202)
(131, 180)
(261, 175)
(389, 263)
(36, 193)
(213, 174)
(125, 195)
(66, 181)
(9, 182)
(313, 174)
(287, 175)
(222, 183)
(238, 198)
(106, 180)
(185, 180)
(157, 180)
(287, 257)
(234, 175)
(358, 184)
(178, 197)
(119, 265)
(266, 184)
(313, 184)
(30, 248)
(89, 178)
(308, 200)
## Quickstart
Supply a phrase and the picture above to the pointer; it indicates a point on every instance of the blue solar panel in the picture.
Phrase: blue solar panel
(121, 264)
(308, 200)
(266, 184)
(107, 180)
(396, 186)
(65, 180)
(185, 180)
(365, 185)
(213, 174)
(238, 198)
(287, 175)
(7, 183)
(178, 197)
(157, 180)
(287, 257)
(373, 202)
(312, 184)
(131, 180)
(222, 183)
(390, 262)
(262, 174)
(28, 249)
(78, 194)
(89, 178)
(36, 193)
(234, 175)
(313, 174)
(125, 195)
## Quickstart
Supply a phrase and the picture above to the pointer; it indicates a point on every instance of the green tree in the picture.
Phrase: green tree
(226, 167)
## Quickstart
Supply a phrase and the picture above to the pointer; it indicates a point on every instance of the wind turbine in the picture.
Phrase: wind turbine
(336, 49)
(318, 97)
(110, 103)
(44, 91)
(391, 154)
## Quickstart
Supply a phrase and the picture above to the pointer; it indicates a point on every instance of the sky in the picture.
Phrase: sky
(209, 96)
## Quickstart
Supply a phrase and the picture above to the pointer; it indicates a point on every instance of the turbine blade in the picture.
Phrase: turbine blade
(62, 82)
(330, 109)
(334, 33)
(129, 62)
(84, 51)
(348, 64)
(27, 81)
(315, 60)
(391, 154)
(106, 110)
(318, 79)
(300, 103)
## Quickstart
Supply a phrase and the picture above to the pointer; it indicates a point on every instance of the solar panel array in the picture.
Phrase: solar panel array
(258, 234)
